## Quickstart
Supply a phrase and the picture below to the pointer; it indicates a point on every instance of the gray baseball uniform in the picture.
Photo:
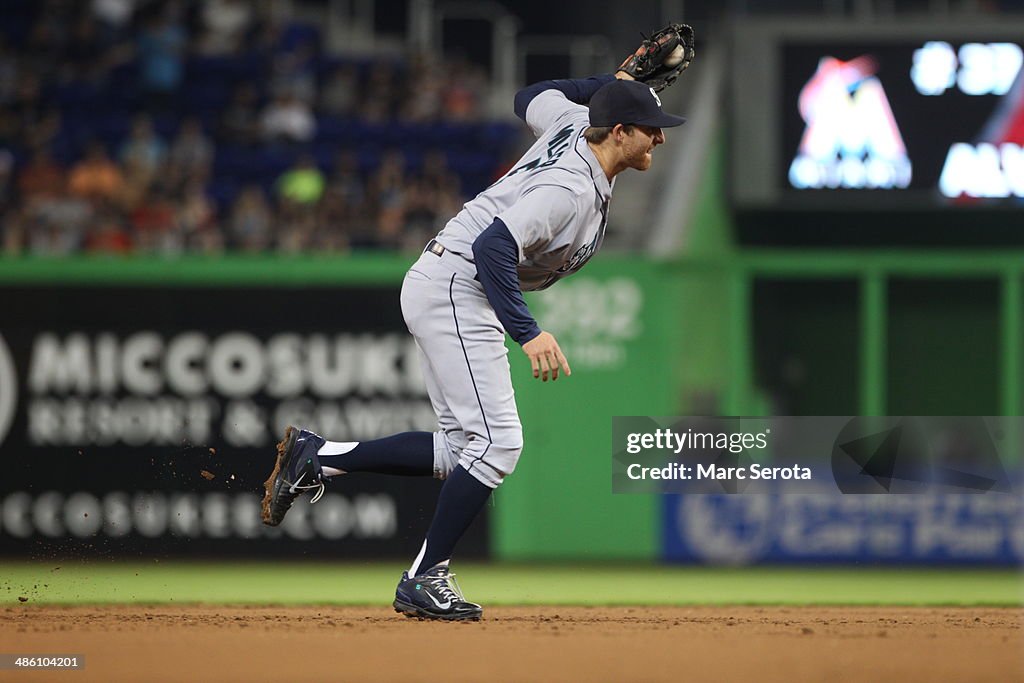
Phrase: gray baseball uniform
(554, 202)
(541, 222)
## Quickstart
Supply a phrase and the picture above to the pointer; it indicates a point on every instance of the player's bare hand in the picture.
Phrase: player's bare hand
(546, 357)
(623, 76)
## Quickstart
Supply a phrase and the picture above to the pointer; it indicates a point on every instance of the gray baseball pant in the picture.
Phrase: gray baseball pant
(465, 366)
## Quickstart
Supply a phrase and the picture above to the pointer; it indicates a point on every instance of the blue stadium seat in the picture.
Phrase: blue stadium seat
(297, 33)
(222, 191)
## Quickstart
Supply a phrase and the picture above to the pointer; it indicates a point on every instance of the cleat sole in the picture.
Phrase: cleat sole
(269, 486)
(413, 612)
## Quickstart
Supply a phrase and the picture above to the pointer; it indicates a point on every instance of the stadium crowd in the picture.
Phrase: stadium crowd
(171, 126)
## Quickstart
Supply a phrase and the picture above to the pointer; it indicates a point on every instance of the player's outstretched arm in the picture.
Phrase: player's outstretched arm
(578, 90)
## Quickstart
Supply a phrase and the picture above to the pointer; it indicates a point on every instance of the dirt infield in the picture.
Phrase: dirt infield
(132, 643)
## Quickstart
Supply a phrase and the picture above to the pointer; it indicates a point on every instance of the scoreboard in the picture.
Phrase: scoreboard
(870, 124)
(942, 119)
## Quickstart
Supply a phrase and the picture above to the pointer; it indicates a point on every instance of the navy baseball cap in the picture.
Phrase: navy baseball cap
(629, 102)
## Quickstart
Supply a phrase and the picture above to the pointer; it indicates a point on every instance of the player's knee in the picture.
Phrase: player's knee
(510, 445)
(512, 448)
(448, 448)
(496, 459)
(506, 447)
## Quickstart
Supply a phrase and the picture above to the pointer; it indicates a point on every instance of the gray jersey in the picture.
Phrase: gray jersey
(554, 200)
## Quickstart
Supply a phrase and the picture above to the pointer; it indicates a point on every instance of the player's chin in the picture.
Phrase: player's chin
(644, 162)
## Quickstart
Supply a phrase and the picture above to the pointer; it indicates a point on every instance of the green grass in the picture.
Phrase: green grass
(363, 584)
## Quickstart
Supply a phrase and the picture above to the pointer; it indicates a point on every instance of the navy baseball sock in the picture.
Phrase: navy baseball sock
(461, 499)
(409, 454)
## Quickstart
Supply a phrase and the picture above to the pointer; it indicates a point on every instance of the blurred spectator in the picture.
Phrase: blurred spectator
(207, 241)
(224, 25)
(437, 176)
(387, 191)
(432, 197)
(6, 182)
(197, 219)
(41, 177)
(270, 26)
(108, 235)
(60, 223)
(240, 124)
(424, 101)
(96, 177)
(462, 95)
(191, 154)
(47, 35)
(297, 231)
(448, 204)
(83, 56)
(113, 18)
(288, 119)
(161, 52)
(343, 213)
(24, 111)
(334, 222)
(8, 72)
(13, 233)
(41, 131)
(338, 96)
(154, 224)
(303, 184)
(381, 93)
(11, 236)
(29, 120)
(251, 221)
(142, 155)
(293, 73)
(37, 235)
(347, 180)
(374, 112)
(420, 215)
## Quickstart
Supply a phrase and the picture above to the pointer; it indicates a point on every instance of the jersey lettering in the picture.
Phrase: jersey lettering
(580, 258)
(583, 254)
(556, 148)
(555, 240)
(528, 166)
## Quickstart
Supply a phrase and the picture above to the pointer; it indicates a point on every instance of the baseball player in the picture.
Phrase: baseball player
(539, 223)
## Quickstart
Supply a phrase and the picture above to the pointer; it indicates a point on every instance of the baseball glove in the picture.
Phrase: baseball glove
(661, 58)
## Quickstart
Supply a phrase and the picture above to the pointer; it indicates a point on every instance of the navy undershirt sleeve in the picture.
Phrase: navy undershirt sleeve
(496, 255)
(578, 90)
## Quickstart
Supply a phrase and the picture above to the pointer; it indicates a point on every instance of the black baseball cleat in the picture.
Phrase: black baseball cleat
(434, 595)
(297, 469)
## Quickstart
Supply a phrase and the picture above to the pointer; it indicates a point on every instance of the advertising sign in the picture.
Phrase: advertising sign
(945, 528)
(144, 419)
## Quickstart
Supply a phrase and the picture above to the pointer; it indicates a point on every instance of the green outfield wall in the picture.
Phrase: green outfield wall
(617, 322)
